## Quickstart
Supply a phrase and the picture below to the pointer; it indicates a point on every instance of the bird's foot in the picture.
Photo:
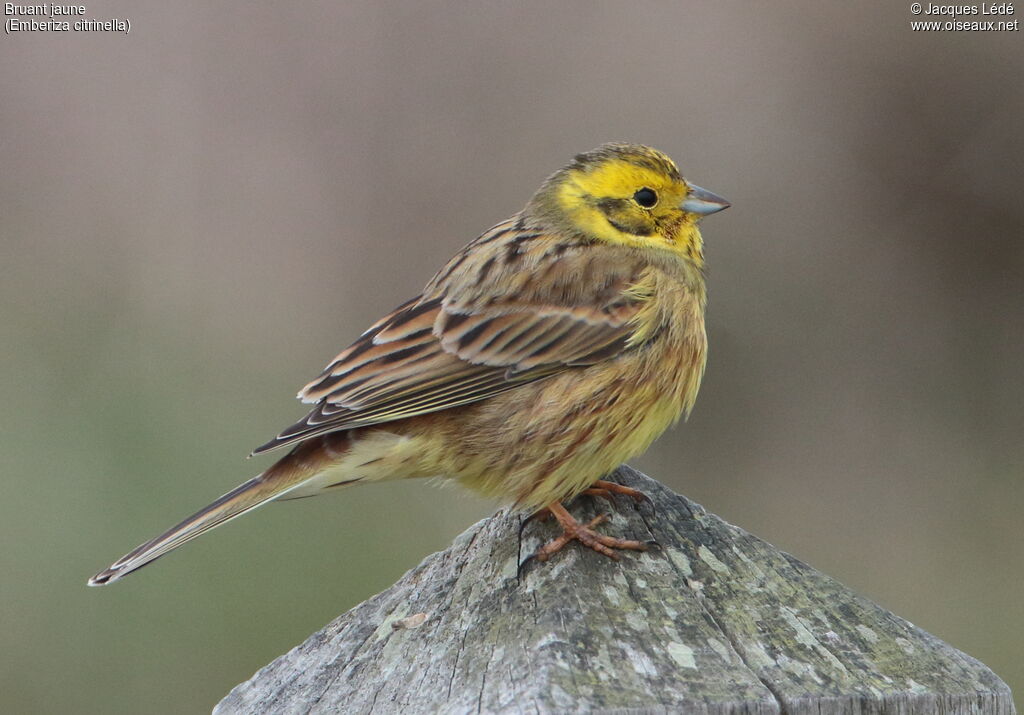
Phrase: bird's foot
(573, 530)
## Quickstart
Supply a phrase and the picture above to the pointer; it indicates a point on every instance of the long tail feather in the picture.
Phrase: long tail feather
(288, 474)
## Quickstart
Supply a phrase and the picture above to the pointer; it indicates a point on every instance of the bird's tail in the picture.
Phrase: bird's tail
(304, 463)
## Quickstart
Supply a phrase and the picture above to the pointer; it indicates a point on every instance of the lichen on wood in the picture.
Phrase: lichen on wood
(715, 620)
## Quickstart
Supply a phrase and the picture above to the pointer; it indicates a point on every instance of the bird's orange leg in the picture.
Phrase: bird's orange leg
(542, 515)
(585, 534)
(600, 488)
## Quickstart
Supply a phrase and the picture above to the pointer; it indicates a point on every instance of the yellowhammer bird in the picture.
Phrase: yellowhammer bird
(548, 351)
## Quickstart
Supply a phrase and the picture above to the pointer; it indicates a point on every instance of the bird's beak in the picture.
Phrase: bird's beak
(702, 202)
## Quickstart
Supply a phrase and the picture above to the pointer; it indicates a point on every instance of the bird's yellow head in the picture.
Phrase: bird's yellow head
(628, 194)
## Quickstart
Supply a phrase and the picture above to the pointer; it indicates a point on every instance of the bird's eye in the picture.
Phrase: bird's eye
(646, 197)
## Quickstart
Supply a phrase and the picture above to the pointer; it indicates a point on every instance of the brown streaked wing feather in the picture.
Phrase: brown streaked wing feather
(366, 347)
(528, 338)
(435, 353)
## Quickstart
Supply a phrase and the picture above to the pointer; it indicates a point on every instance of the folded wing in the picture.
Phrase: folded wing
(436, 353)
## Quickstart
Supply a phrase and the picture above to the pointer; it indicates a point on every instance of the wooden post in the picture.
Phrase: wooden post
(715, 621)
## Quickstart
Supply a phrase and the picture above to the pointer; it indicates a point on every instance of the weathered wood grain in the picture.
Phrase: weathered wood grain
(715, 621)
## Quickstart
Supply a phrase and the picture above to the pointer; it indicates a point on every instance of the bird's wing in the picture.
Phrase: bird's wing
(437, 352)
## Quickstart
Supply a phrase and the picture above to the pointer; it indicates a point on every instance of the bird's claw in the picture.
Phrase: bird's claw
(608, 488)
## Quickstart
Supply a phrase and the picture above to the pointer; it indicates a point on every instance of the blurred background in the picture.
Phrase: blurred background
(196, 216)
